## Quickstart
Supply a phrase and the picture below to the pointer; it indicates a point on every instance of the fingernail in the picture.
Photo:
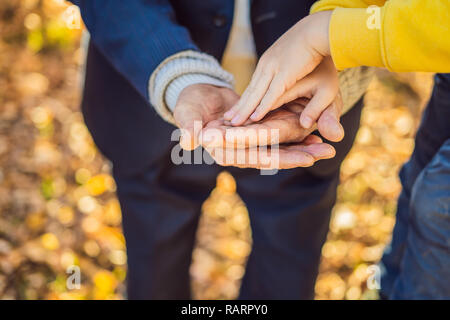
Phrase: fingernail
(339, 131)
(235, 120)
(335, 128)
(254, 116)
(306, 122)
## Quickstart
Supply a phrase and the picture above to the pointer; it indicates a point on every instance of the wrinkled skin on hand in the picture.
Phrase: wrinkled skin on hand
(298, 147)
(207, 104)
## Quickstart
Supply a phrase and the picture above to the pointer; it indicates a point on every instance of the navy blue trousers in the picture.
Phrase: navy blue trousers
(161, 202)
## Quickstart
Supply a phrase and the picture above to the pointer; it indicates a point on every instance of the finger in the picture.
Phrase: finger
(274, 92)
(301, 89)
(285, 157)
(253, 136)
(321, 99)
(290, 159)
(240, 137)
(251, 98)
(297, 106)
(255, 78)
(257, 158)
(329, 123)
(276, 128)
(189, 120)
(318, 151)
(213, 135)
(312, 139)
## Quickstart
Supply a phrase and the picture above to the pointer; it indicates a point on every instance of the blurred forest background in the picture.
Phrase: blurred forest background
(57, 202)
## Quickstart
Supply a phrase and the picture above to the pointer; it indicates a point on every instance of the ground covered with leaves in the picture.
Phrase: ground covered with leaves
(57, 198)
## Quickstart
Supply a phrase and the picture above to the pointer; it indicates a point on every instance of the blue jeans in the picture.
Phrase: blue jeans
(416, 263)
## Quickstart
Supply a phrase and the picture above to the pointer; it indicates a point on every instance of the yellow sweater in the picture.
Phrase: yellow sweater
(401, 35)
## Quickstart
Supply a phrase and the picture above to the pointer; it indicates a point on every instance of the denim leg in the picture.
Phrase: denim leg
(425, 267)
(393, 253)
(432, 133)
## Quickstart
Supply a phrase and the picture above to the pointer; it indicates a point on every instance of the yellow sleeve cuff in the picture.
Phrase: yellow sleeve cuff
(355, 38)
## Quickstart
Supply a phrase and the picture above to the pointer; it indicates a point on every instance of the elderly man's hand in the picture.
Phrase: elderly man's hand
(206, 104)
(197, 105)
(295, 145)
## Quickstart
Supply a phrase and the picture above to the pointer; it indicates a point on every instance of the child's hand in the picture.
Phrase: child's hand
(321, 87)
(289, 59)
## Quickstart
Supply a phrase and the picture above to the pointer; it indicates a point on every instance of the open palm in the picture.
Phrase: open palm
(206, 105)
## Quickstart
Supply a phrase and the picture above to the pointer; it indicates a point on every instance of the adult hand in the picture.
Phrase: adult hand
(288, 156)
(241, 146)
(278, 127)
(206, 104)
(197, 105)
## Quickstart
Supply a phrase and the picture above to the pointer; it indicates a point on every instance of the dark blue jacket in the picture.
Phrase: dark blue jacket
(130, 38)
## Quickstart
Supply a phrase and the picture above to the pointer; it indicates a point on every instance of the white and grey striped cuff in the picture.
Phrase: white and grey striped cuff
(179, 71)
(176, 86)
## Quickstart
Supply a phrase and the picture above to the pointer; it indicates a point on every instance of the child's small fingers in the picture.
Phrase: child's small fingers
(274, 92)
(245, 95)
(302, 88)
(315, 107)
(260, 112)
(251, 98)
